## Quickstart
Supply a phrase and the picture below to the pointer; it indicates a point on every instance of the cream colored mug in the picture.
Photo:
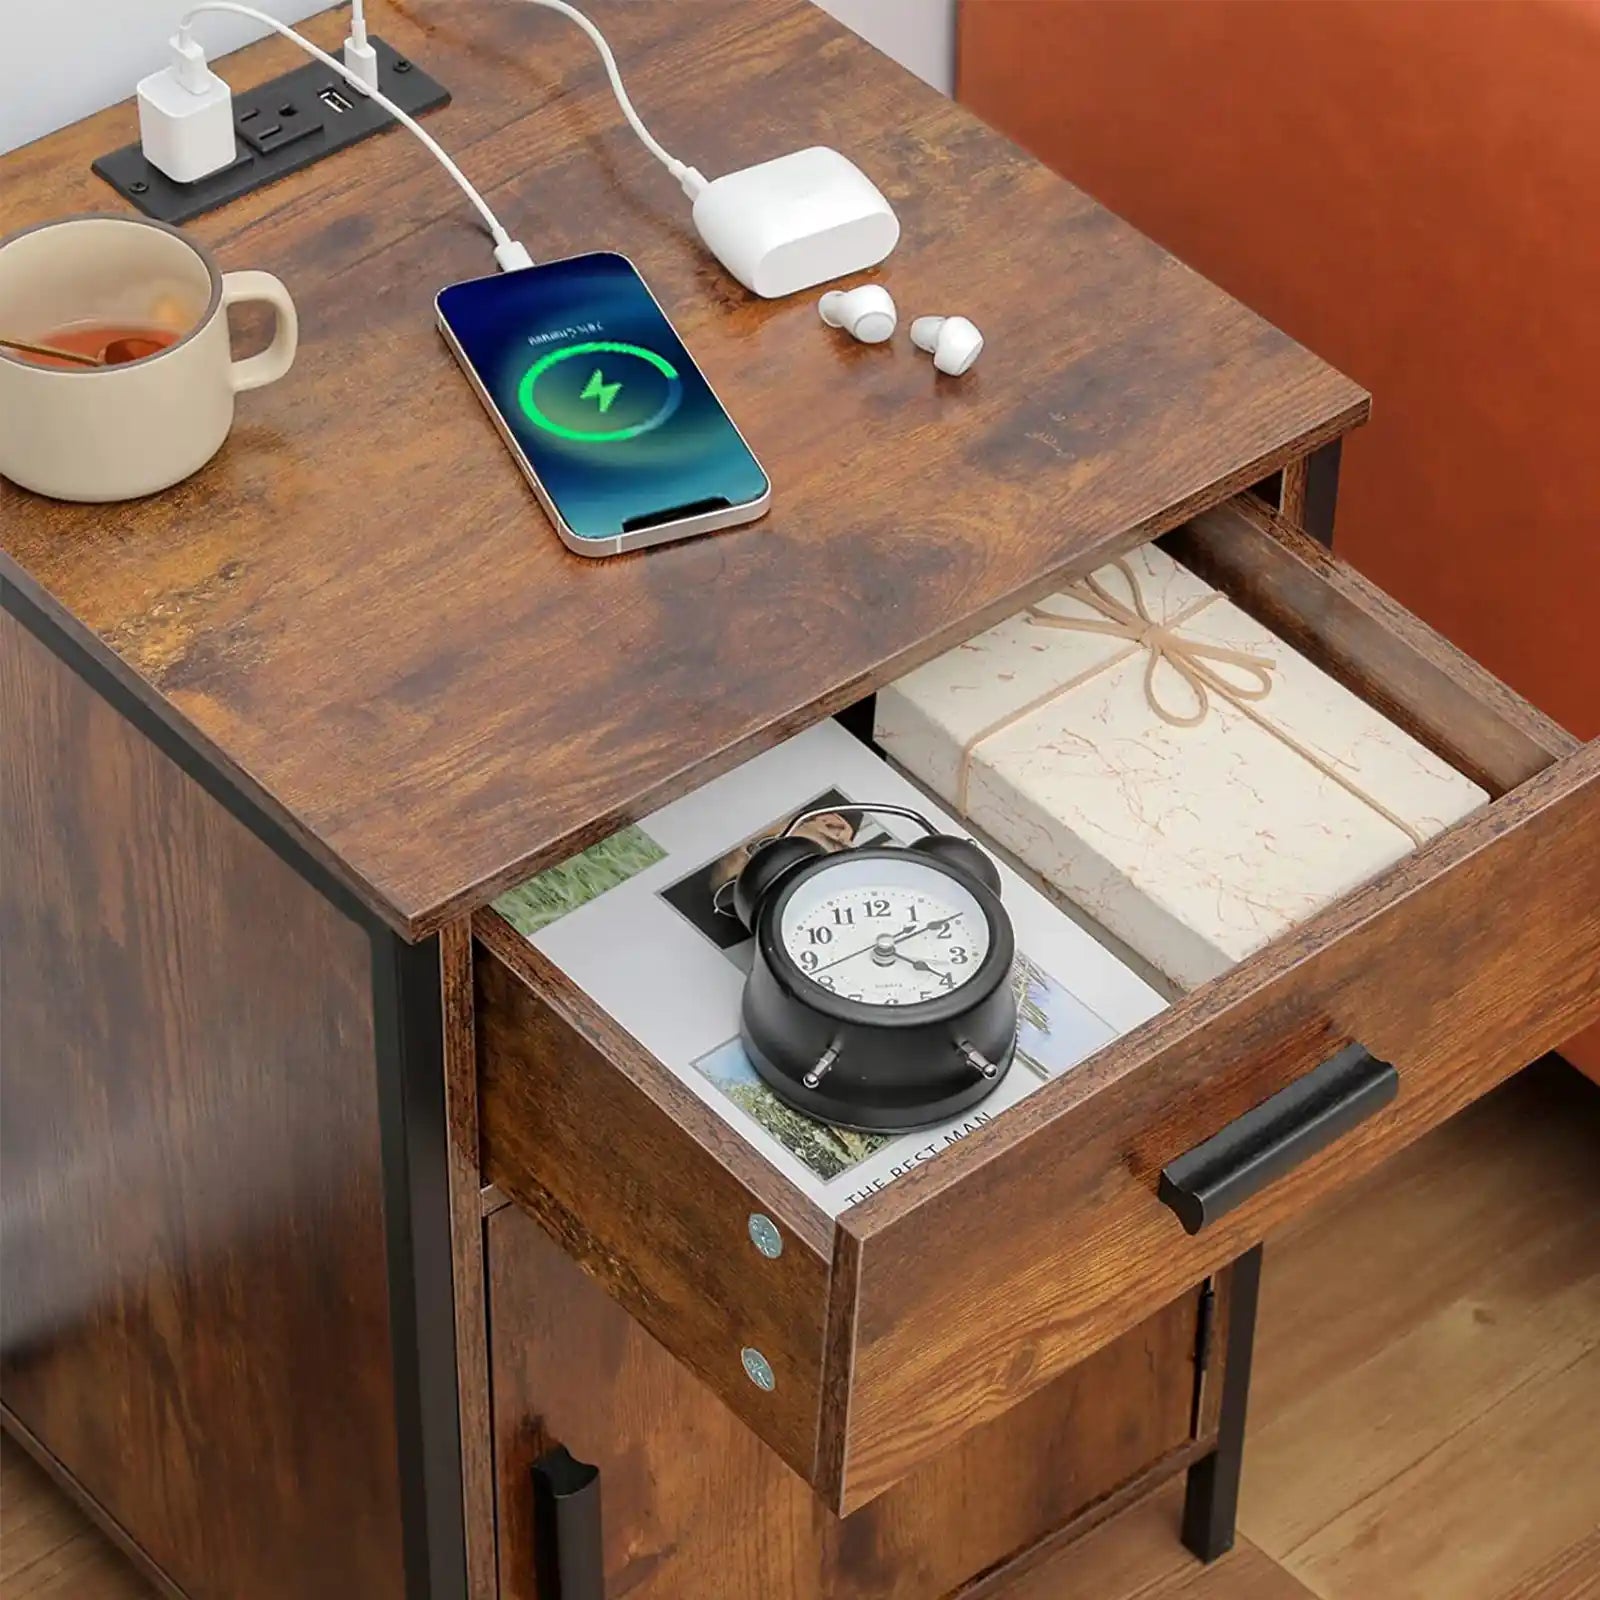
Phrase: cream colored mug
(118, 431)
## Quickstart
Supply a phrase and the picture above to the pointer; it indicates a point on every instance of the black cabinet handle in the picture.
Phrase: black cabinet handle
(569, 1562)
(1269, 1139)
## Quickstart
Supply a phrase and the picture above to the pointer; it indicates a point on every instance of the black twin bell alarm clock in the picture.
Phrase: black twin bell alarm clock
(880, 995)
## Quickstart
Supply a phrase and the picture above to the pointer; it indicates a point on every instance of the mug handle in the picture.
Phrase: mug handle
(270, 364)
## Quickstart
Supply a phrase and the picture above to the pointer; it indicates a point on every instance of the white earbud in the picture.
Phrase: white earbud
(866, 313)
(954, 342)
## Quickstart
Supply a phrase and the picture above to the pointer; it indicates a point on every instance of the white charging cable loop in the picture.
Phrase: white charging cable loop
(360, 70)
(507, 251)
(690, 179)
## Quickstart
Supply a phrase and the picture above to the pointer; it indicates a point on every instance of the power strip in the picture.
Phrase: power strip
(280, 127)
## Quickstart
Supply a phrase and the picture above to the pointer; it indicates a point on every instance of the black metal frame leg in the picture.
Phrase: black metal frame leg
(1322, 492)
(1307, 491)
(1211, 1495)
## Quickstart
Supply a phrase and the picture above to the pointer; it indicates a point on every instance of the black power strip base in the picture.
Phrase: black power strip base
(280, 127)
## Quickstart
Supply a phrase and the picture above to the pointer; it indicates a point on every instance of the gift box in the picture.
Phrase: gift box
(1168, 764)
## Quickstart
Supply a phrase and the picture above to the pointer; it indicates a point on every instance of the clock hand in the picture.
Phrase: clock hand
(840, 960)
(924, 966)
(894, 939)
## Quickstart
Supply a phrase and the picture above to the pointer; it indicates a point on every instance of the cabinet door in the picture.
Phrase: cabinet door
(696, 1507)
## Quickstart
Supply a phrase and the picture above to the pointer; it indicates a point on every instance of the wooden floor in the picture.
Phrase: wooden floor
(47, 1551)
(1425, 1415)
(1425, 1422)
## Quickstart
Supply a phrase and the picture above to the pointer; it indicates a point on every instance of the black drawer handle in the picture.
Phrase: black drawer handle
(1269, 1139)
(569, 1562)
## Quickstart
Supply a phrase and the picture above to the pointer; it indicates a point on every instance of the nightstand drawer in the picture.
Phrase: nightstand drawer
(862, 1347)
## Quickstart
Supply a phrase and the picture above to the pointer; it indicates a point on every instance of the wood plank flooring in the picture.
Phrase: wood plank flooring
(1426, 1412)
(1137, 1556)
(47, 1550)
(1425, 1423)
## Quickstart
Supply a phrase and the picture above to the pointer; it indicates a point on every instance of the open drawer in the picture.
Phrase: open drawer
(858, 1349)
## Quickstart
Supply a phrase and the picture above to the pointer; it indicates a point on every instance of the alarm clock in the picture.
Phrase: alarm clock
(880, 996)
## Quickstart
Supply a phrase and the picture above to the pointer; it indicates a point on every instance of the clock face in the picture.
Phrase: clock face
(887, 931)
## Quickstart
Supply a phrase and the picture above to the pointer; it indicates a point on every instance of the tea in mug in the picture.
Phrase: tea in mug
(116, 342)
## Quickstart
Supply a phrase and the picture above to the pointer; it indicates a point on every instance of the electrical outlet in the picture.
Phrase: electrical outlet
(268, 130)
(281, 126)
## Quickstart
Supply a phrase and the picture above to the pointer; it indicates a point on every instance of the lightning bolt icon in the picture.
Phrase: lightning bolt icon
(598, 389)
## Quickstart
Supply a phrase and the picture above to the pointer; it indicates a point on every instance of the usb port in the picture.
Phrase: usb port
(334, 101)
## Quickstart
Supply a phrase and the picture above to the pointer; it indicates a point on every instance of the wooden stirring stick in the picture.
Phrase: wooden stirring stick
(114, 354)
(51, 350)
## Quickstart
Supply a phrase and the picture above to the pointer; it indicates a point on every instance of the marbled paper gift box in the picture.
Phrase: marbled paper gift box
(1168, 764)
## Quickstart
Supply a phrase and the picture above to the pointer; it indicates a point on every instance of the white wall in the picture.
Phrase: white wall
(919, 34)
(111, 44)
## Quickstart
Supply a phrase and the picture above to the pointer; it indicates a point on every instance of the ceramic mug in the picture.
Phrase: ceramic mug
(115, 432)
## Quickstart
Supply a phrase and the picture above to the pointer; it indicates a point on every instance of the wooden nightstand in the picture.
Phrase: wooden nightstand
(331, 1209)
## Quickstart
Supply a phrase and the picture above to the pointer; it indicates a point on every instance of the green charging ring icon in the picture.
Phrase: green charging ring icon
(530, 406)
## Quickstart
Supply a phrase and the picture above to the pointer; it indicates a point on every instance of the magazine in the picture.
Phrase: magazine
(639, 922)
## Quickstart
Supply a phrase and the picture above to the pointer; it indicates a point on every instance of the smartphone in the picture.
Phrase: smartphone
(604, 409)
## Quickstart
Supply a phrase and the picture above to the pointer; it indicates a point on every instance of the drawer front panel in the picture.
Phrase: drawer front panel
(1458, 966)
(642, 1186)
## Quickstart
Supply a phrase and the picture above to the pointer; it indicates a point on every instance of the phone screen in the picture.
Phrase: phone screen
(608, 407)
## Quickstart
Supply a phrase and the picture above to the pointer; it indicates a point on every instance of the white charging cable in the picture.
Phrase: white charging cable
(359, 55)
(508, 253)
(360, 70)
(691, 179)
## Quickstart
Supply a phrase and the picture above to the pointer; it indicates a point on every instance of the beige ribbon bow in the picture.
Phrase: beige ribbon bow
(1191, 659)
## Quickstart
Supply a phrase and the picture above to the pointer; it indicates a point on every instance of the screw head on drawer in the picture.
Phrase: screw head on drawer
(765, 1237)
(758, 1369)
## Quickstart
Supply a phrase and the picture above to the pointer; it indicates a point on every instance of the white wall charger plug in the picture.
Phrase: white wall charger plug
(186, 116)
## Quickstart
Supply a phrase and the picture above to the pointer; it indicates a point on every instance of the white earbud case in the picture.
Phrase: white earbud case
(803, 219)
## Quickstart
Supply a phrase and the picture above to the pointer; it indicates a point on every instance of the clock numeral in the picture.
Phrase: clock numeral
(853, 997)
(820, 935)
(945, 930)
(877, 906)
(824, 981)
(843, 915)
(809, 959)
(958, 954)
(889, 1000)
